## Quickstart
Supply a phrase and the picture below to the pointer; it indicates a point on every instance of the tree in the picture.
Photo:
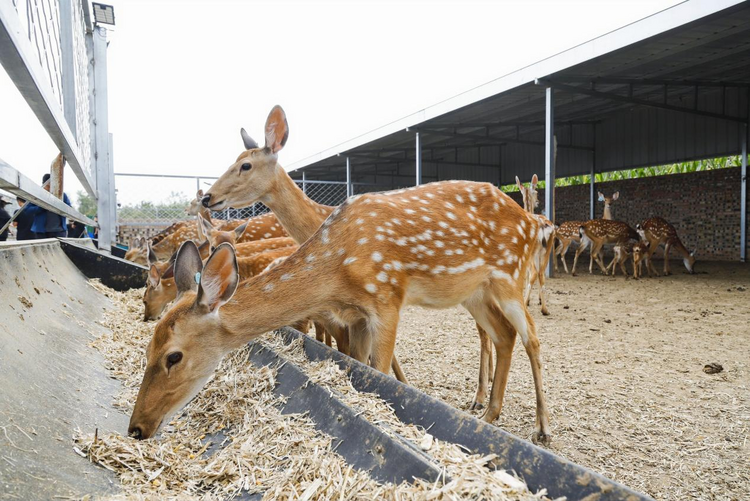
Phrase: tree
(86, 204)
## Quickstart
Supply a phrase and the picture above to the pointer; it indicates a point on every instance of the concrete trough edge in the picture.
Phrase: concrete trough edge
(538, 467)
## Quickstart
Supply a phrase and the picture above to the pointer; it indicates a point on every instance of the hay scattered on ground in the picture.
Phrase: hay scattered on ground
(282, 456)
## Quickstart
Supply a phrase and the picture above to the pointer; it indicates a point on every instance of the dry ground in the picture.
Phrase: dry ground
(623, 367)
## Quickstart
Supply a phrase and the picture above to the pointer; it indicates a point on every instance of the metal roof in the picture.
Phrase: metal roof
(670, 87)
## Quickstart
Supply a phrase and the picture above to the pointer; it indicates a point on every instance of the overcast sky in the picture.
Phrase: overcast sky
(185, 76)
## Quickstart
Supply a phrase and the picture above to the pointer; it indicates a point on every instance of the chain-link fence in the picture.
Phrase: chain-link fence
(148, 203)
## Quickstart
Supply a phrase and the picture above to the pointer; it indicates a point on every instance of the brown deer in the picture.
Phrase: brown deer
(542, 253)
(435, 245)
(608, 203)
(658, 231)
(622, 253)
(160, 289)
(641, 255)
(599, 232)
(137, 251)
(566, 234)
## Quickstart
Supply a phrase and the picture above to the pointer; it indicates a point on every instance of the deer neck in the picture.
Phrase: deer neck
(298, 214)
(205, 213)
(272, 299)
(607, 212)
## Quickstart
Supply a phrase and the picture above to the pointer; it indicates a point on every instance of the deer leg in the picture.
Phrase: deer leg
(503, 336)
(564, 251)
(360, 340)
(383, 341)
(485, 367)
(579, 250)
(542, 289)
(558, 248)
(595, 249)
(622, 266)
(397, 370)
(319, 332)
(521, 320)
(667, 271)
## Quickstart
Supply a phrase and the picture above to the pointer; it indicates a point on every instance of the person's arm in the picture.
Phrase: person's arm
(67, 200)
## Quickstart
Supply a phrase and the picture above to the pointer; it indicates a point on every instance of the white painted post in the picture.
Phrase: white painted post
(349, 190)
(67, 63)
(97, 41)
(549, 165)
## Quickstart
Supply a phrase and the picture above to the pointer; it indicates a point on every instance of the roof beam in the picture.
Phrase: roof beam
(650, 81)
(635, 101)
(497, 141)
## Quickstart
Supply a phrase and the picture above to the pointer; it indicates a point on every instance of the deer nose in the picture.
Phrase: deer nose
(206, 201)
(135, 432)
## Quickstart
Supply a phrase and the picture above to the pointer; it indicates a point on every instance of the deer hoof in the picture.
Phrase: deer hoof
(545, 312)
(476, 406)
(541, 438)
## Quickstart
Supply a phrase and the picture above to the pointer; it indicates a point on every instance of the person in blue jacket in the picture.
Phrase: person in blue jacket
(48, 224)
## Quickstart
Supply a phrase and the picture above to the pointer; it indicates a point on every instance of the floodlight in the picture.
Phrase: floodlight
(104, 14)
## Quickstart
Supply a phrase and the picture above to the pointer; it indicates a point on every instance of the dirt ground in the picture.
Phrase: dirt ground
(623, 366)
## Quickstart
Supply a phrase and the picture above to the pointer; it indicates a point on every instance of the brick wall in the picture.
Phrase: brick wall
(703, 206)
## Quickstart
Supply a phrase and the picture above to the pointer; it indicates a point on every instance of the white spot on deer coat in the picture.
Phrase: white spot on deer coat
(349, 260)
(362, 241)
(377, 256)
(371, 288)
(382, 276)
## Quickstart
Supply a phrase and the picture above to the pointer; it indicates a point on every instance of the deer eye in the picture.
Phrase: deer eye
(246, 166)
(173, 358)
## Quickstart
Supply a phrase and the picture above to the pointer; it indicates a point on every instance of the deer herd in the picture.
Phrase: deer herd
(349, 271)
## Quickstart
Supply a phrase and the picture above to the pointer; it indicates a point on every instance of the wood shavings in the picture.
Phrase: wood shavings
(282, 456)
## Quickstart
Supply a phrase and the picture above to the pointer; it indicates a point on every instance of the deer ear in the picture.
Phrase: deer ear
(601, 196)
(277, 129)
(199, 195)
(219, 278)
(187, 265)
(169, 272)
(616, 195)
(205, 228)
(518, 183)
(534, 180)
(248, 141)
(239, 231)
(151, 254)
(153, 277)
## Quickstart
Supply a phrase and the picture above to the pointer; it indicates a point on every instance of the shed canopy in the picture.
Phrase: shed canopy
(669, 88)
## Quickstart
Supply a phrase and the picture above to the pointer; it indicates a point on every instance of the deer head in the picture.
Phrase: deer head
(252, 176)
(189, 341)
(689, 262)
(194, 208)
(530, 195)
(138, 252)
(160, 290)
(608, 203)
(215, 237)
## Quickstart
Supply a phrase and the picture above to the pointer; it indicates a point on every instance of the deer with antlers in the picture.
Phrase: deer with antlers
(435, 245)
(658, 231)
(599, 232)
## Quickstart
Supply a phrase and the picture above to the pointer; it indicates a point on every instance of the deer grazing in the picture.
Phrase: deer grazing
(436, 245)
(658, 231)
(137, 251)
(599, 232)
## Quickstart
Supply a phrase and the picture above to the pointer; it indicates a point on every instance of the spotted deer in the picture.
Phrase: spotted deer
(658, 231)
(435, 245)
(256, 228)
(566, 234)
(641, 256)
(137, 251)
(542, 252)
(160, 289)
(622, 253)
(608, 204)
(599, 232)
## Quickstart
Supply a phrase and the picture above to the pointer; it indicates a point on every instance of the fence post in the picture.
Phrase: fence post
(349, 191)
(97, 43)
(549, 161)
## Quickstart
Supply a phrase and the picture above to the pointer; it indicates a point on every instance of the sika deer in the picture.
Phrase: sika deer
(608, 204)
(600, 232)
(622, 253)
(567, 233)
(659, 232)
(137, 252)
(640, 255)
(435, 245)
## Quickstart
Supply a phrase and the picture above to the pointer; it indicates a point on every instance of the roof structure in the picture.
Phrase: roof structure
(672, 87)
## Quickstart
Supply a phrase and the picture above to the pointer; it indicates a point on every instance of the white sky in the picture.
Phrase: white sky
(185, 76)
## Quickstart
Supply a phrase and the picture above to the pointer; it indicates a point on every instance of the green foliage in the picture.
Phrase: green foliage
(86, 204)
(171, 209)
(662, 170)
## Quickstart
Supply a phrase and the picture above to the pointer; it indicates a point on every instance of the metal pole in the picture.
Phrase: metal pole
(592, 194)
(743, 197)
(197, 185)
(100, 146)
(348, 178)
(67, 62)
(418, 162)
(549, 164)
(304, 182)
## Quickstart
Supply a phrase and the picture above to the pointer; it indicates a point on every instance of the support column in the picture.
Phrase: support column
(418, 162)
(67, 63)
(592, 193)
(349, 190)
(549, 164)
(304, 183)
(97, 41)
(743, 197)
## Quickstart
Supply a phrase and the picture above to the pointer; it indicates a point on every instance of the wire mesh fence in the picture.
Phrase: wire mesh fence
(147, 203)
